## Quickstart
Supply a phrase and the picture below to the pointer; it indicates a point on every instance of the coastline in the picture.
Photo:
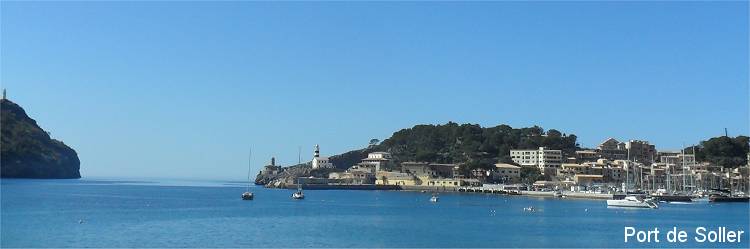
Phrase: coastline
(479, 190)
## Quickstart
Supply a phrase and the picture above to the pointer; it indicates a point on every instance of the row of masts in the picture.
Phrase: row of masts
(678, 181)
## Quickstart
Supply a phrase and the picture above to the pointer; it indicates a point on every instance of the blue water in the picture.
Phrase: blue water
(91, 213)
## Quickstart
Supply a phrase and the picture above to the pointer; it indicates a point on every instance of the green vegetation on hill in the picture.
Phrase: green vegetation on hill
(724, 151)
(27, 151)
(469, 144)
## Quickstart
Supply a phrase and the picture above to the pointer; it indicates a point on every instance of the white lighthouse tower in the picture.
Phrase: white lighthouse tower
(318, 161)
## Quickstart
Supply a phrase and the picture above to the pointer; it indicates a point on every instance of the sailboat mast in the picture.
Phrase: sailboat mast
(627, 171)
(684, 180)
(249, 164)
(653, 175)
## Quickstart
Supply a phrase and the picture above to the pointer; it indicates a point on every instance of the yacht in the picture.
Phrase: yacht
(632, 201)
(434, 198)
(663, 195)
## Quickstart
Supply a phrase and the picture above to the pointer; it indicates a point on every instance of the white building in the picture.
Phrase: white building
(507, 173)
(318, 161)
(548, 161)
(377, 160)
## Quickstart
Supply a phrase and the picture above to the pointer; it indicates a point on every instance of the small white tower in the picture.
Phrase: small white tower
(319, 161)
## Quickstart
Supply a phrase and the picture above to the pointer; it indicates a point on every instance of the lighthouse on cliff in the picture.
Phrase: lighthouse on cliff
(318, 161)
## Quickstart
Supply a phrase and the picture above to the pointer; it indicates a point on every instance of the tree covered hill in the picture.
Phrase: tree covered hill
(724, 151)
(27, 151)
(471, 144)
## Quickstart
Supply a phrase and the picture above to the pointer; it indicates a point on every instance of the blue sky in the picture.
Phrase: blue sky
(184, 89)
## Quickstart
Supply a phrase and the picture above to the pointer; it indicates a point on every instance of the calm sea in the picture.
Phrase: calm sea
(103, 213)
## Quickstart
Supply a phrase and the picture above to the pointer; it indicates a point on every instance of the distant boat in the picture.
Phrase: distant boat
(298, 195)
(248, 195)
(632, 202)
(434, 198)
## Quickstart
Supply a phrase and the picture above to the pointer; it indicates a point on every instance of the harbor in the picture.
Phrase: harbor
(148, 213)
(613, 171)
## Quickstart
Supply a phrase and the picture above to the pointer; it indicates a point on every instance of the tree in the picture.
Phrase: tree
(723, 151)
(530, 175)
(374, 142)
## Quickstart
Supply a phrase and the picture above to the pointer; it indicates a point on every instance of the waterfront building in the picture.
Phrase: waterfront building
(272, 168)
(377, 160)
(432, 170)
(613, 173)
(679, 159)
(640, 151)
(480, 174)
(661, 154)
(395, 178)
(574, 169)
(320, 162)
(587, 180)
(507, 173)
(612, 149)
(444, 182)
(583, 156)
(546, 160)
(354, 175)
(545, 185)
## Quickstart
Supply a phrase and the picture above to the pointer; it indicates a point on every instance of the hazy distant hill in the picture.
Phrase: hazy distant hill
(27, 151)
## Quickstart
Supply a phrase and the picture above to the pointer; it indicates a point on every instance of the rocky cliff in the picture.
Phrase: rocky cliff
(27, 151)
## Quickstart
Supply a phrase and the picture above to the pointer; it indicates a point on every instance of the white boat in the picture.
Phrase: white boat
(298, 195)
(434, 198)
(632, 202)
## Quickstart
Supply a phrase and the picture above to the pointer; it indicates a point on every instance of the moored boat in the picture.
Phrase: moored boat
(298, 195)
(247, 195)
(726, 198)
(673, 198)
(632, 202)
(434, 198)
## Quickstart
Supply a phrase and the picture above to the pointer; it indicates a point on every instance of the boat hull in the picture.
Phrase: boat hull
(728, 199)
(673, 198)
(630, 204)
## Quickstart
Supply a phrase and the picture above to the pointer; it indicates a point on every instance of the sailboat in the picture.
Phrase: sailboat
(298, 195)
(248, 195)
(631, 201)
